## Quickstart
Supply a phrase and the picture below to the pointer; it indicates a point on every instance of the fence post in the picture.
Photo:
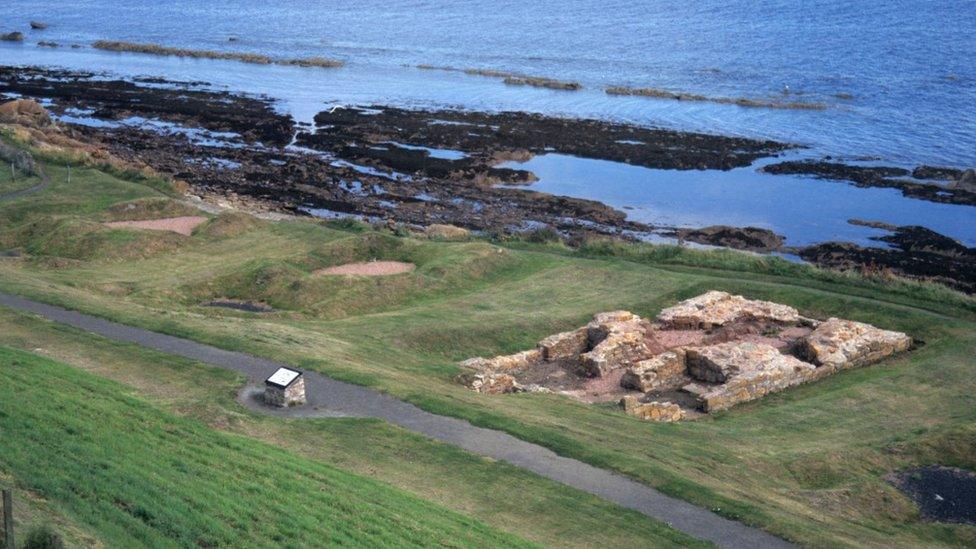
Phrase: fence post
(8, 518)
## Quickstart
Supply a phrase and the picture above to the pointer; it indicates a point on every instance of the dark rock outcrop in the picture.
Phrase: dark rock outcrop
(742, 238)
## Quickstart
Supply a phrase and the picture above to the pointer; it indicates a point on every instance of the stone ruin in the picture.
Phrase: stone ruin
(702, 355)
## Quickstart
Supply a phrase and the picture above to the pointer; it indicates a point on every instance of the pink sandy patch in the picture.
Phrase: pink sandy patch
(370, 268)
(182, 225)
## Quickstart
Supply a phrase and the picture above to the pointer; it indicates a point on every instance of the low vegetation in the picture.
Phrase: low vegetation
(544, 511)
(808, 465)
(140, 476)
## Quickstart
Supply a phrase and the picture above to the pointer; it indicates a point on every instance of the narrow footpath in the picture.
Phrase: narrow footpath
(328, 397)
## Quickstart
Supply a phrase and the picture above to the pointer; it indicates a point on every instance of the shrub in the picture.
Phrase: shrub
(43, 536)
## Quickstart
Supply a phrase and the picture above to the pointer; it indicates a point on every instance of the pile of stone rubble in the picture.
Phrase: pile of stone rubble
(704, 354)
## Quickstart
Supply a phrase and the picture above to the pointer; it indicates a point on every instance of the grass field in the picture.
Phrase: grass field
(142, 477)
(807, 464)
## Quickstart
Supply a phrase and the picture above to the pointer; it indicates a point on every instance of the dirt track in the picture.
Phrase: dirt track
(330, 398)
(369, 268)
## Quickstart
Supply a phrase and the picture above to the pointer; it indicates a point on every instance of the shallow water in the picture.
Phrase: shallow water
(804, 210)
(911, 76)
(907, 65)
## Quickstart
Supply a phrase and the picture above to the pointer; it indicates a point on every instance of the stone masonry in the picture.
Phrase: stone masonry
(838, 344)
(763, 347)
(293, 395)
(719, 308)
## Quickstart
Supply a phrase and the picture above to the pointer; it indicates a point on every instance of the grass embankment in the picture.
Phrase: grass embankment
(807, 464)
(156, 49)
(139, 476)
(495, 493)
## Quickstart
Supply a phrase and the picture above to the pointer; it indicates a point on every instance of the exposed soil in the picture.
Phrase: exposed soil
(183, 225)
(883, 176)
(369, 268)
(944, 494)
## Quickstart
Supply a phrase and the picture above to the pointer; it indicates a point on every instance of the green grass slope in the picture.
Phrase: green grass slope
(493, 492)
(807, 464)
(142, 477)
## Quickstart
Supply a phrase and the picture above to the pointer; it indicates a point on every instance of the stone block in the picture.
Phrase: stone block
(653, 411)
(742, 372)
(838, 344)
(489, 383)
(617, 350)
(565, 345)
(715, 308)
(666, 370)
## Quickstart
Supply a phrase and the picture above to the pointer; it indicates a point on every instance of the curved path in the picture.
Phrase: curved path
(24, 192)
(328, 397)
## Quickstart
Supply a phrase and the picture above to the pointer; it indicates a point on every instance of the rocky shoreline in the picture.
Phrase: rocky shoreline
(424, 167)
(935, 184)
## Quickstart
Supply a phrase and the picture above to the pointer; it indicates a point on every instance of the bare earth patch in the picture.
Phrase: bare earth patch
(369, 268)
(183, 225)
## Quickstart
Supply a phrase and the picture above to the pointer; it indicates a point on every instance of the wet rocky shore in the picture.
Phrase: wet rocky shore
(421, 167)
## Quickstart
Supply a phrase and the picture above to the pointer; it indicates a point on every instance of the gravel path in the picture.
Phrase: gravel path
(328, 398)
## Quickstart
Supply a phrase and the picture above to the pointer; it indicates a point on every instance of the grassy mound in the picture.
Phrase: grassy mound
(228, 224)
(148, 208)
(289, 282)
(140, 476)
(70, 238)
(807, 464)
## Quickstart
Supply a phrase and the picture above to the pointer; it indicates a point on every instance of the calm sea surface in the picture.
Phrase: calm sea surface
(908, 66)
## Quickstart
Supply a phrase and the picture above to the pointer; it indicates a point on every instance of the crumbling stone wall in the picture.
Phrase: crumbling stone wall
(653, 411)
(714, 308)
(712, 376)
(741, 372)
(838, 344)
(667, 369)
